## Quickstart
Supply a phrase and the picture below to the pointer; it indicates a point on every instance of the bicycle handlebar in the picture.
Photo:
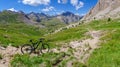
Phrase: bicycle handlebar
(41, 40)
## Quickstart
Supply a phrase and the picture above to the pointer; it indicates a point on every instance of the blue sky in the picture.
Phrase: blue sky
(48, 6)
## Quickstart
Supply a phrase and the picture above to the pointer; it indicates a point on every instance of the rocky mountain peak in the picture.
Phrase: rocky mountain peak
(21, 12)
(69, 17)
(104, 9)
(67, 13)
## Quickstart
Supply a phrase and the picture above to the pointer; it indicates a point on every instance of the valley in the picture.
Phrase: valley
(92, 40)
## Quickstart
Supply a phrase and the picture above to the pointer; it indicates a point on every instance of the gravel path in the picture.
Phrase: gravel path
(83, 48)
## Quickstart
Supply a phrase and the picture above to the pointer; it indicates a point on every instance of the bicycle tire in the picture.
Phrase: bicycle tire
(44, 48)
(29, 47)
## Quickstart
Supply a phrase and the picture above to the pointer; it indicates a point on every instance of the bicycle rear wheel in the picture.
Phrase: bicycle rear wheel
(44, 48)
(26, 49)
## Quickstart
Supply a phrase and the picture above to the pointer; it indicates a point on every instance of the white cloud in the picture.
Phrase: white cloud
(59, 1)
(81, 4)
(47, 9)
(36, 2)
(74, 2)
(78, 4)
(13, 9)
(62, 1)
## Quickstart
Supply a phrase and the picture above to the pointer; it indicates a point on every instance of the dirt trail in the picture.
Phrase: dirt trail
(83, 48)
(7, 55)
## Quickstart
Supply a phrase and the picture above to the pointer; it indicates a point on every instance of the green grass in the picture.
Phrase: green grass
(0, 56)
(45, 60)
(78, 64)
(18, 33)
(67, 35)
(14, 32)
(104, 24)
(8, 17)
(109, 53)
(73, 60)
(35, 61)
(53, 24)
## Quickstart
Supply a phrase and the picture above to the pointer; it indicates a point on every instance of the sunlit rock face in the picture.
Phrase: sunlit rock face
(104, 9)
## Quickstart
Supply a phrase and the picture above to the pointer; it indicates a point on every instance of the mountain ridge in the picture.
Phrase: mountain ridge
(69, 17)
(33, 18)
(104, 9)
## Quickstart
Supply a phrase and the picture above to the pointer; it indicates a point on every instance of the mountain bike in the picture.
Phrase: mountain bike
(40, 45)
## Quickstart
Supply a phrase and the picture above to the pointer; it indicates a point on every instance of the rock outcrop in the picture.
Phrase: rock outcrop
(104, 9)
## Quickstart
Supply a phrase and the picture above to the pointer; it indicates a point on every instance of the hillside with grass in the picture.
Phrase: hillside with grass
(15, 32)
(53, 24)
(93, 43)
(107, 55)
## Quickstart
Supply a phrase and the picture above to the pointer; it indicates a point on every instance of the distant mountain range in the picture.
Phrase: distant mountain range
(66, 17)
(69, 17)
(38, 17)
(33, 18)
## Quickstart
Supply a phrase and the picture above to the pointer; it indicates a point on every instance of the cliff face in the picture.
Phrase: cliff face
(104, 9)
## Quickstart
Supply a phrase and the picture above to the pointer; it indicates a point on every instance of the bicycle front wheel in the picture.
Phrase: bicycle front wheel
(26, 49)
(44, 48)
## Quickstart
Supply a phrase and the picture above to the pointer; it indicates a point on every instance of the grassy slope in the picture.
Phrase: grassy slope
(8, 17)
(53, 24)
(47, 60)
(109, 53)
(17, 33)
(106, 56)
(67, 35)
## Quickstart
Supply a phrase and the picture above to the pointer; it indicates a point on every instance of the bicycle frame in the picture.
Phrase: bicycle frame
(36, 44)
